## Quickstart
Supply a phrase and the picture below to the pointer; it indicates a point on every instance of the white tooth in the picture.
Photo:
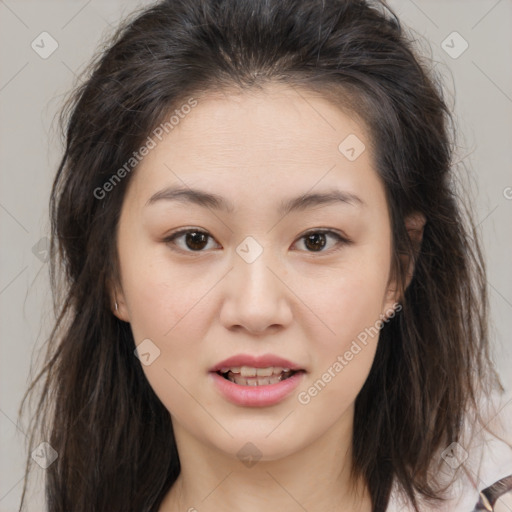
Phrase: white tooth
(247, 371)
(240, 380)
(264, 372)
(267, 381)
(262, 381)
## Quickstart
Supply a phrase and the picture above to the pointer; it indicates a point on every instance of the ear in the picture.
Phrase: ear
(414, 224)
(118, 302)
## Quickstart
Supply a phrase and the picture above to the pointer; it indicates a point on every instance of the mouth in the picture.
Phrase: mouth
(249, 376)
(256, 386)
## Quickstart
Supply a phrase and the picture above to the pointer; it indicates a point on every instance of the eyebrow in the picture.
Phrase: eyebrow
(216, 202)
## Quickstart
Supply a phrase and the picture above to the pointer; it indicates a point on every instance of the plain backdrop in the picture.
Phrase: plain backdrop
(470, 42)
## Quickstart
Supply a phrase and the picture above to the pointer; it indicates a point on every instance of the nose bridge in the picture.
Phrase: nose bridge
(257, 298)
(252, 264)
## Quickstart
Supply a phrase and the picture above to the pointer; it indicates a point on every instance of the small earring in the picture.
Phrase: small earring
(116, 306)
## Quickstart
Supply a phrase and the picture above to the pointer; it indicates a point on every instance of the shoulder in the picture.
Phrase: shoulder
(473, 465)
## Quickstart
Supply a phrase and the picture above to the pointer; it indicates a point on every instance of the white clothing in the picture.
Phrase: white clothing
(488, 460)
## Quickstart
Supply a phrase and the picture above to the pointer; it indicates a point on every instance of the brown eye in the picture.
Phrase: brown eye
(193, 240)
(315, 241)
(196, 240)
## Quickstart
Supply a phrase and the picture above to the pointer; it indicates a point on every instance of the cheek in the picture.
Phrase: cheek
(166, 307)
(345, 346)
(158, 294)
(347, 303)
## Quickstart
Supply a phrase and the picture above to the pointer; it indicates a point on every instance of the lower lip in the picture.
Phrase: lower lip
(256, 396)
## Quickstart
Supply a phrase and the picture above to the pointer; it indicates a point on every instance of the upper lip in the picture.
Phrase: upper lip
(263, 361)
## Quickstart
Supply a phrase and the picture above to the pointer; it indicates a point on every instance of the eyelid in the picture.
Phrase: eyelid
(332, 231)
(342, 239)
(168, 239)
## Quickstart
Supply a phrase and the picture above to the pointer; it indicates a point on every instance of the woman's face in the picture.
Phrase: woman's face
(268, 272)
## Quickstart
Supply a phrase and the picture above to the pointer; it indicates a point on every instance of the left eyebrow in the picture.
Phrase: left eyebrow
(326, 198)
(216, 202)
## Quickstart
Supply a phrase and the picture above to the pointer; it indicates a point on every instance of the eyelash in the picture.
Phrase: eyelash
(341, 240)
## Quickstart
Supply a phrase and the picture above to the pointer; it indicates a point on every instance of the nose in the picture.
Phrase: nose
(257, 296)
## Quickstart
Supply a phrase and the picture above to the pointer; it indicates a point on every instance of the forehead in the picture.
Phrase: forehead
(275, 119)
(278, 138)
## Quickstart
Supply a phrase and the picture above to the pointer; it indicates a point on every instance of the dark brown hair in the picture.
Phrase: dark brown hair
(114, 438)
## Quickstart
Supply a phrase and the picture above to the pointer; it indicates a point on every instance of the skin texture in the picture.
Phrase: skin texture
(256, 149)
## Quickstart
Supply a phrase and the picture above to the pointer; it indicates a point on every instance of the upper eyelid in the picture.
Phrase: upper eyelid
(184, 231)
(342, 238)
(199, 230)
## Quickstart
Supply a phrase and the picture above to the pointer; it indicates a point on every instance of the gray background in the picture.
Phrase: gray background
(479, 83)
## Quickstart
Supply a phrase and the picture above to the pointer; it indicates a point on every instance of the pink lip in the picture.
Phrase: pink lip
(256, 396)
(263, 361)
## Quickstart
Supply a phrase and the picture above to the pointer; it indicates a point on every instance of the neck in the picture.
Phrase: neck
(315, 478)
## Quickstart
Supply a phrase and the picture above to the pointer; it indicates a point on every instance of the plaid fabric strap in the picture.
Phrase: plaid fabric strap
(490, 495)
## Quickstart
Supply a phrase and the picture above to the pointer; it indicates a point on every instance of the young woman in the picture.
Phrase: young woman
(268, 294)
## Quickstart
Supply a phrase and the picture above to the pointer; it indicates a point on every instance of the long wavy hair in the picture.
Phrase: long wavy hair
(114, 438)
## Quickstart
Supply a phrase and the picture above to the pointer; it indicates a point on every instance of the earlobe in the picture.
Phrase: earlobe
(118, 306)
(391, 310)
(414, 225)
(392, 300)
